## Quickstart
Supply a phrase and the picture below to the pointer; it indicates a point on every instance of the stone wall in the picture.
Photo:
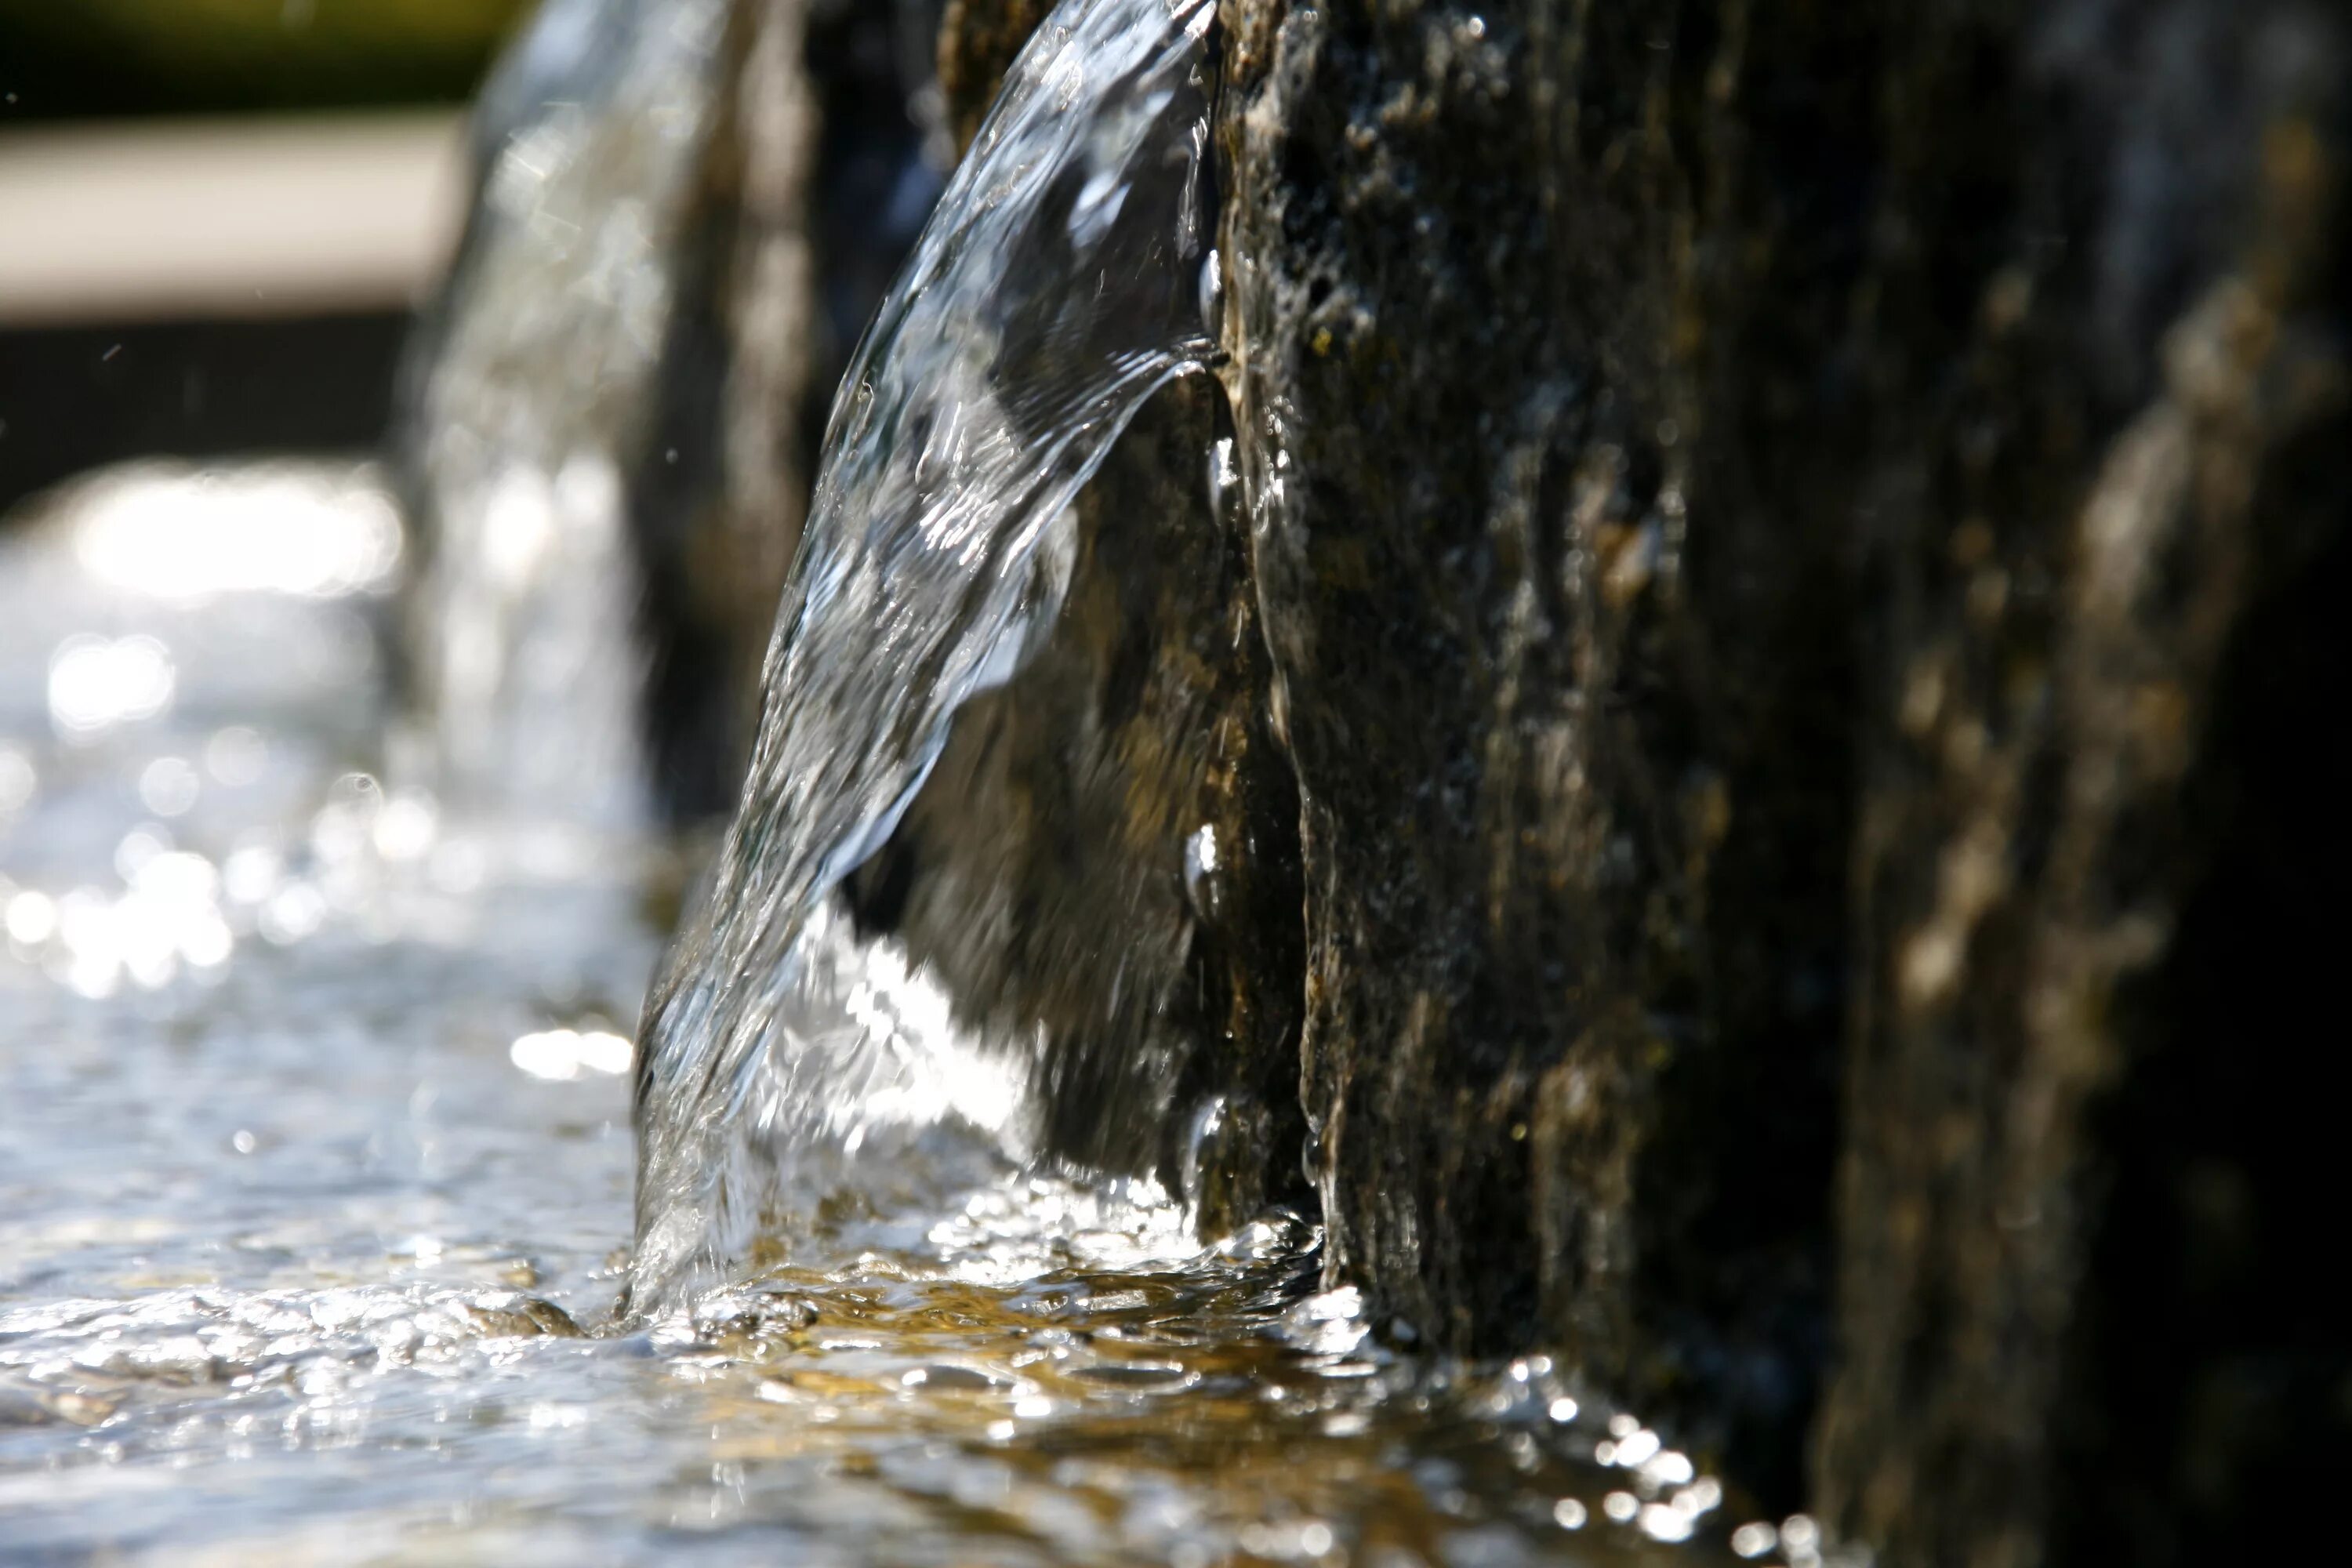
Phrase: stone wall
(1765, 517)
(1569, 686)
(826, 147)
(1794, 548)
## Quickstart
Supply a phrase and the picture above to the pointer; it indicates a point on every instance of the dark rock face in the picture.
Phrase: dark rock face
(1569, 682)
(2069, 1216)
(978, 39)
(1791, 543)
(720, 492)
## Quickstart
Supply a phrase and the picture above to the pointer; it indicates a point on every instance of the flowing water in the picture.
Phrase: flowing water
(789, 1065)
(317, 1151)
(317, 1166)
(528, 397)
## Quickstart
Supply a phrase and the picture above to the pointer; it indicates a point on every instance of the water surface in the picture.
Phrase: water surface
(317, 1166)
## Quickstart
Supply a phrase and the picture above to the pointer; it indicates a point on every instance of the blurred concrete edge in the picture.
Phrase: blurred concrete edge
(200, 219)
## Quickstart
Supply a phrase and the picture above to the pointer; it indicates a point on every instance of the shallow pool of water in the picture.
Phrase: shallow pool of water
(316, 1161)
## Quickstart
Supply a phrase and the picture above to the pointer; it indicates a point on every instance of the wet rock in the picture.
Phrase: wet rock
(1558, 587)
(720, 489)
(2072, 1195)
(978, 39)
(1104, 858)
(1791, 542)
(512, 1315)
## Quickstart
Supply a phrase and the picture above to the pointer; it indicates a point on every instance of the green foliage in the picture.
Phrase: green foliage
(126, 56)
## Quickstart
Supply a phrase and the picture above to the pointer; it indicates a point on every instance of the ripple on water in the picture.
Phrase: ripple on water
(311, 1254)
(928, 1404)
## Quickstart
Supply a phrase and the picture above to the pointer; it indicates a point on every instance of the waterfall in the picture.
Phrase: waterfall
(527, 397)
(787, 1059)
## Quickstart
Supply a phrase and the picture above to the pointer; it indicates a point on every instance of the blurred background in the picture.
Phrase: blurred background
(216, 218)
(143, 57)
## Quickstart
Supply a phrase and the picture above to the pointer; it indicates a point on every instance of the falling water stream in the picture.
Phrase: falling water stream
(527, 391)
(317, 1160)
(1053, 291)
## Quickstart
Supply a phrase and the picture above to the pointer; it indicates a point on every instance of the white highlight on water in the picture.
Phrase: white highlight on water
(172, 533)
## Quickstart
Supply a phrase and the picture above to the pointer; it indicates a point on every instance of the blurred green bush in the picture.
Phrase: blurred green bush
(68, 58)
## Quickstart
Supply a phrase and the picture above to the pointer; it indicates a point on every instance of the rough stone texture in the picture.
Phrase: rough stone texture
(721, 493)
(1788, 536)
(2105, 496)
(1569, 693)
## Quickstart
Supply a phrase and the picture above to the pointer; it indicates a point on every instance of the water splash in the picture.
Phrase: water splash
(1055, 288)
(528, 394)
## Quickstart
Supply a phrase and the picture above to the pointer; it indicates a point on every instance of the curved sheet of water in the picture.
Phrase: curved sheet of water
(1054, 289)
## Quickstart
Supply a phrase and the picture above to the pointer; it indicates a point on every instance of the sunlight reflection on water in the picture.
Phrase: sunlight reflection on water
(318, 1153)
